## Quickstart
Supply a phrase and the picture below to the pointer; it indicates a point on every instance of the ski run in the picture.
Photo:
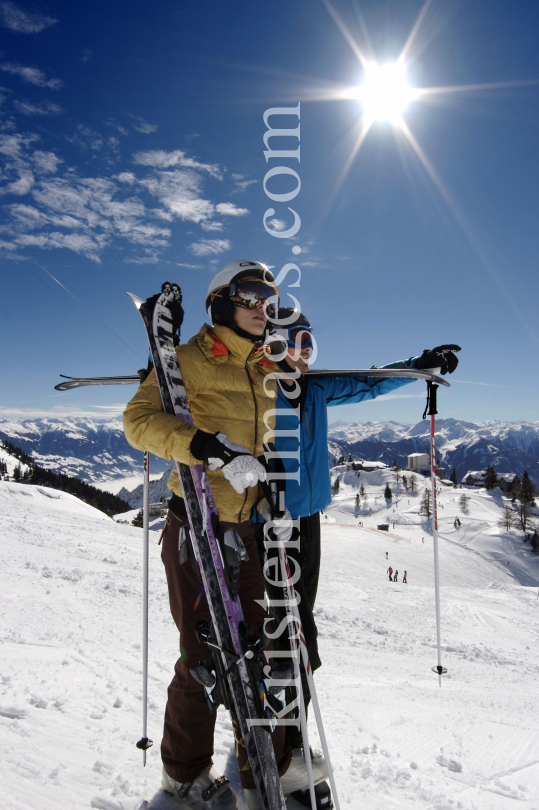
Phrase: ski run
(70, 663)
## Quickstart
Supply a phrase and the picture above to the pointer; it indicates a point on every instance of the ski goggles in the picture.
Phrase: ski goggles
(296, 337)
(300, 337)
(250, 292)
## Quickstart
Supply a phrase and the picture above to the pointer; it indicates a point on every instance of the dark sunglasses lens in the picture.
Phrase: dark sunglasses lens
(251, 293)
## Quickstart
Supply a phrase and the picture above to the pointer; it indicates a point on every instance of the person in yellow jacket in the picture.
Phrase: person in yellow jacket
(223, 368)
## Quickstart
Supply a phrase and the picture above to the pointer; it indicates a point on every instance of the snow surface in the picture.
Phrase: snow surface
(70, 665)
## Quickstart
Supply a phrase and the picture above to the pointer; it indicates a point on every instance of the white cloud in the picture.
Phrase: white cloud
(13, 145)
(190, 266)
(143, 126)
(160, 159)
(179, 192)
(88, 214)
(23, 184)
(126, 177)
(112, 123)
(86, 55)
(210, 247)
(31, 75)
(278, 224)
(24, 22)
(231, 210)
(88, 209)
(242, 185)
(46, 162)
(150, 257)
(41, 108)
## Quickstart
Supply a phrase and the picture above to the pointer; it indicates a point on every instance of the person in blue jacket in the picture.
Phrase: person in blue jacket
(301, 436)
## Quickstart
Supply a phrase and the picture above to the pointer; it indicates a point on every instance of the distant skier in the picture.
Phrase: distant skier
(404, 579)
(390, 572)
(387, 553)
(396, 577)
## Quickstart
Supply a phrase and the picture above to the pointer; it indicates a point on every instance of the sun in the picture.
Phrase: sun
(385, 93)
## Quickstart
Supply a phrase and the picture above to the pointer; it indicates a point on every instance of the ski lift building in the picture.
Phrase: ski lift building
(419, 462)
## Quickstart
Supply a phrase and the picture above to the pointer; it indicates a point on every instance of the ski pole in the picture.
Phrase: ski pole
(144, 743)
(292, 608)
(289, 599)
(432, 411)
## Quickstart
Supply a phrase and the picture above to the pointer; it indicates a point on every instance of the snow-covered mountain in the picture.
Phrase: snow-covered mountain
(93, 449)
(506, 446)
(158, 492)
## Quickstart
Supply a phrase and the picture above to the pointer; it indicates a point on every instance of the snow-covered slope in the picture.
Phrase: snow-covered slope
(70, 669)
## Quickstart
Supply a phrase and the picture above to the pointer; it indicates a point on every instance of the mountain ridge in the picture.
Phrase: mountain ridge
(96, 450)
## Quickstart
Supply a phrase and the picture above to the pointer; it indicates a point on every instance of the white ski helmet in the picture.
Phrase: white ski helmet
(218, 305)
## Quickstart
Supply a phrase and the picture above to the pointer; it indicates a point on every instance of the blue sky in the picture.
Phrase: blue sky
(132, 152)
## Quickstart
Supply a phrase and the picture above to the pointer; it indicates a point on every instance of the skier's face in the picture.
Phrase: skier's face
(252, 321)
(298, 359)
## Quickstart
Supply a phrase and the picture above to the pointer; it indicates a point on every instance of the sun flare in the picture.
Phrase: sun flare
(385, 93)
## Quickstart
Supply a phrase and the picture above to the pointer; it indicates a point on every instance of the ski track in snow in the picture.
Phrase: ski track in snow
(70, 658)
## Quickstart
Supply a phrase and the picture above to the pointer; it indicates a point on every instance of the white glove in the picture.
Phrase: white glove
(238, 465)
(281, 527)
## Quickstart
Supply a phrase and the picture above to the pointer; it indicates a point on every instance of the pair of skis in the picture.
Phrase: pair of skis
(381, 373)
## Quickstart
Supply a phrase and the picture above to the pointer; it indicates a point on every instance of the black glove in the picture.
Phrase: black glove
(442, 357)
(239, 466)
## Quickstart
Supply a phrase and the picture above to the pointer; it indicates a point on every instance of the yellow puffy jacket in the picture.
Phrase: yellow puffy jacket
(224, 381)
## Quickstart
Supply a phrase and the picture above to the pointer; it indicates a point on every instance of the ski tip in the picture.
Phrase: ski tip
(138, 302)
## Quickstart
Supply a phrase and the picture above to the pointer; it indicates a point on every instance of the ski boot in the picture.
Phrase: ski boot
(295, 780)
(322, 795)
(207, 792)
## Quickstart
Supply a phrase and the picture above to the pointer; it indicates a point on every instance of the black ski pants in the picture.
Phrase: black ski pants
(187, 745)
(307, 556)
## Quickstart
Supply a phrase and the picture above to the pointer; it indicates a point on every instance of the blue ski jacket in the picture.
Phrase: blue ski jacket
(301, 440)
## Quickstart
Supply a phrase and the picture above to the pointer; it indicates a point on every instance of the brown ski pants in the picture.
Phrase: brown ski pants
(187, 745)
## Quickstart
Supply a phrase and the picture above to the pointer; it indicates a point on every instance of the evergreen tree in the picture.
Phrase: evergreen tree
(358, 500)
(464, 501)
(413, 484)
(525, 515)
(349, 456)
(491, 479)
(405, 482)
(454, 477)
(17, 473)
(362, 490)
(535, 541)
(387, 492)
(527, 490)
(138, 520)
(425, 503)
(336, 485)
